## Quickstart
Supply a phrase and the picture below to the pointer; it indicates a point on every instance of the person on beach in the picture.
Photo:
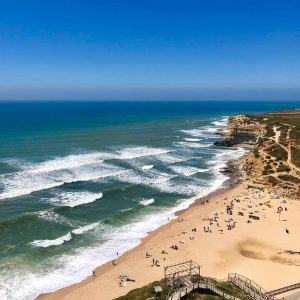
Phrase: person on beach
(94, 275)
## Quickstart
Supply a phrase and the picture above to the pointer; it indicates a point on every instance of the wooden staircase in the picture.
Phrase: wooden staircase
(284, 289)
(178, 294)
(249, 287)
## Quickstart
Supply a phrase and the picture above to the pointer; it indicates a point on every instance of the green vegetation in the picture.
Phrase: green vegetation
(295, 156)
(272, 180)
(146, 292)
(255, 153)
(197, 296)
(278, 152)
(267, 170)
(283, 168)
(289, 178)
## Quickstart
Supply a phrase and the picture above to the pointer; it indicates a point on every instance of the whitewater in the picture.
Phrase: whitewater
(70, 207)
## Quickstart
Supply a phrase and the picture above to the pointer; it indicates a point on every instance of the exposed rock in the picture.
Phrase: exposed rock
(224, 143)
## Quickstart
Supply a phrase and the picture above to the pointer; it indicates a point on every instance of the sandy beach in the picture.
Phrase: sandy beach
(226, 241)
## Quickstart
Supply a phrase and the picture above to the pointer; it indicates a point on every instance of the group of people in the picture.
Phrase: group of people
(175, 247)
(206, 229)
(155, 262)
(230, 224)
(123, 281)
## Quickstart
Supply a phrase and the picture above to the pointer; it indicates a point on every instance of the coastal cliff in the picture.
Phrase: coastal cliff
(274, 139)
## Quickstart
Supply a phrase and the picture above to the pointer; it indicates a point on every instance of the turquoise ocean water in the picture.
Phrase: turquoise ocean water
(81, 181)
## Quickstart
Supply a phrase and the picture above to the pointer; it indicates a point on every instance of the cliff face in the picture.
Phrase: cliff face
(274, 160)
(240, 130)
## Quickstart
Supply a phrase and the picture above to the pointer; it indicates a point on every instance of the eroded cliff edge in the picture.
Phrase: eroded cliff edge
(274, 140)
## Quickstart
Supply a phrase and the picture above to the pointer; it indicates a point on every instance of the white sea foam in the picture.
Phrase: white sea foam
(51, 216)
(192, 145)
(126, 209)
(72, 268)
(187, 170)
(146, 202)
(222, 157)
(210, 130)
(173, 159)
(154, 179)
(13, 187)
(194, 132)
(72, 168)
(68, 162)
(136, 152)
(205, 132)
(24, 183)
(192, 140)
(72, 199)
(147, 167)
(162, 182)
(85, 229)
(49, 243)
(221, 123)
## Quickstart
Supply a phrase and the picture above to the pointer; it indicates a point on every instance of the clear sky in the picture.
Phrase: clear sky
(150, 49)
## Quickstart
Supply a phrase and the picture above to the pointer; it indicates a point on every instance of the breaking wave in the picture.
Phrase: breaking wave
(72, 199)
(85, 229)
(49, 243)
(146, 202)
(147, 167)
(187, 170)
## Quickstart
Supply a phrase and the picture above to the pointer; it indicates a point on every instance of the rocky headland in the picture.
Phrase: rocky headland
(274, 143)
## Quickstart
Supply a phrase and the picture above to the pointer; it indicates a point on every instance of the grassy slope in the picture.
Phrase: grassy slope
(148, 292)
(276, 168)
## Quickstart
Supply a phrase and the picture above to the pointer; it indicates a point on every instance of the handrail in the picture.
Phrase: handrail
(249, 287)
(247, 280)
(206, 285)
(284, 289)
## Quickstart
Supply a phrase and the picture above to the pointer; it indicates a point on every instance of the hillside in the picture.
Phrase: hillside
(275, 158)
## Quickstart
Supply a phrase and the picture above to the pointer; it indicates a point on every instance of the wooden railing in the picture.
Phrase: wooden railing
(176, 295)
(252, 289)
(249, 287)
(284, 289)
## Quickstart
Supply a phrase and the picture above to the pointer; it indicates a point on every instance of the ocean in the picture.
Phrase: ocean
(81, 181)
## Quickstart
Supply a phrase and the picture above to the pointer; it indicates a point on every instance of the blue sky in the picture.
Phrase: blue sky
(150, 49)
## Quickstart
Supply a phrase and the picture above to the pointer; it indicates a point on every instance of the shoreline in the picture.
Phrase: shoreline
(259, 257)
(99, 271)
(226, 186)
(253, 250)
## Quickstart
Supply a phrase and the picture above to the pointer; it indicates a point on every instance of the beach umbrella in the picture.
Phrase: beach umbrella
(123, 276)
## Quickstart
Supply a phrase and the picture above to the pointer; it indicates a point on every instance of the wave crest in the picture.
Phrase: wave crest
(49, 243)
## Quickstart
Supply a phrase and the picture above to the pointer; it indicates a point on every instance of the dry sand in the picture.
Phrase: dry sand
(255, 250)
